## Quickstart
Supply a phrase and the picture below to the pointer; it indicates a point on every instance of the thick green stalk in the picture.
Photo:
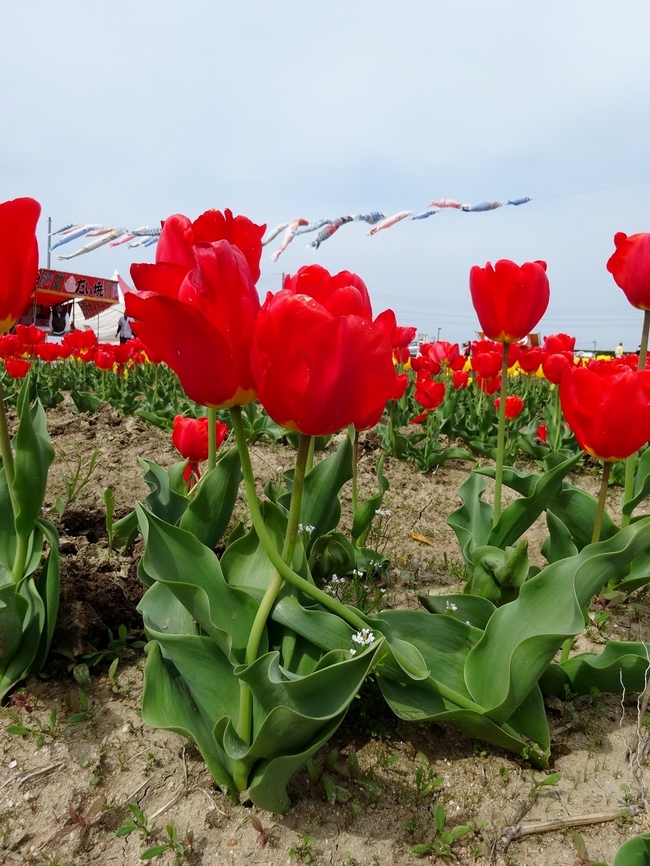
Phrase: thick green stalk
(212, 438)
(327, 601)
(5, 450)
(355, 473)
(602, 499)
(557, 417)
(501, 436)
(630, 463)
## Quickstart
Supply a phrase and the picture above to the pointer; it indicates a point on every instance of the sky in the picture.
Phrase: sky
(124, 113)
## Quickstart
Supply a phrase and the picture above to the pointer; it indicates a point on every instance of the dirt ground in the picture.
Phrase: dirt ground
(66, 784)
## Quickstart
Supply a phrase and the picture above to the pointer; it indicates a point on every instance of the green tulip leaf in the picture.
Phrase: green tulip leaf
(641, 484)
(474, 609)
(186, 690)
(325, 630)
(634, 852)
(209, 513)
(619, 666)
(33, 455)
(521, 638)
(164, 501)
(22, 621)
(522, 513)
(321, 507)
(559, 543)
(365, 513)
(85, 401)
(472, 522)
(48, 586)
(192, 572)
(331, 554)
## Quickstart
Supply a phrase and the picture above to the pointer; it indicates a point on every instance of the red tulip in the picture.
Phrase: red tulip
(198, 316)
(608, 409)
(422, 364)
(190, 438)
(542, 433)
(399, 337)
(487, 364)
(18, 258)
(17, 368)
(553, 366)
(51, 352)
(442, 352)
(428, 393)
(9, 345)
(556, 343)
(29, 336)
(460, 379)
(104, 357)
(630, 267)
(318, 360)
(509, 300)
(489, 386)
(530, 360)
(514, 405)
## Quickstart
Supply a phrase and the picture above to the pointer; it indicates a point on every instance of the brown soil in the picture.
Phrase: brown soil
(65, 791)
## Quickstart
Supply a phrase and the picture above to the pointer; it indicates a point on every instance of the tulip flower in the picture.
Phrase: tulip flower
(318, 361)
(29, 336)
(487, 364)
(460, 379)
(429, 394)
(630, 267)
(195, 308)
(542, 433)
(190, 438)
(531, 360)
(17, 368)
(104, 358)
(18, 258)
(514, 405)
(557, 343)
(553, 366)
(509, 300)
(608, 409)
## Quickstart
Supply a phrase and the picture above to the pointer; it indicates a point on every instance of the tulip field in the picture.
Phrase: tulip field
(271, 588)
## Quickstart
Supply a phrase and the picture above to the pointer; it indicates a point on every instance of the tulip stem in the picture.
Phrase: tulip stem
(327, 601)
(602, 498)
(212, 437)
(6, 452)
(630, 463)
(557, 417)
(245, 723)
(501, 436)
(355, 472)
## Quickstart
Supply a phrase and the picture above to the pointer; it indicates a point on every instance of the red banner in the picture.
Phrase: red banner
(57, 287)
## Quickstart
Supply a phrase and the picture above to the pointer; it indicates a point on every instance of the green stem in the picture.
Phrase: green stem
(602, 498)
(327, 601)
(5, 450)
(310, 456)
(355, 473)
(501, 436)
(630, 463)
(212, 437)
(557, 417)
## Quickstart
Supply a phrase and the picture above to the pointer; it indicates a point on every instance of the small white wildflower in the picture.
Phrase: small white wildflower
(336, 580)
(364, 637)
(451, 607)
(382, 512)
(356, 573)
(353, 652)
(382, 590)
(467, 622)
(306, 527)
